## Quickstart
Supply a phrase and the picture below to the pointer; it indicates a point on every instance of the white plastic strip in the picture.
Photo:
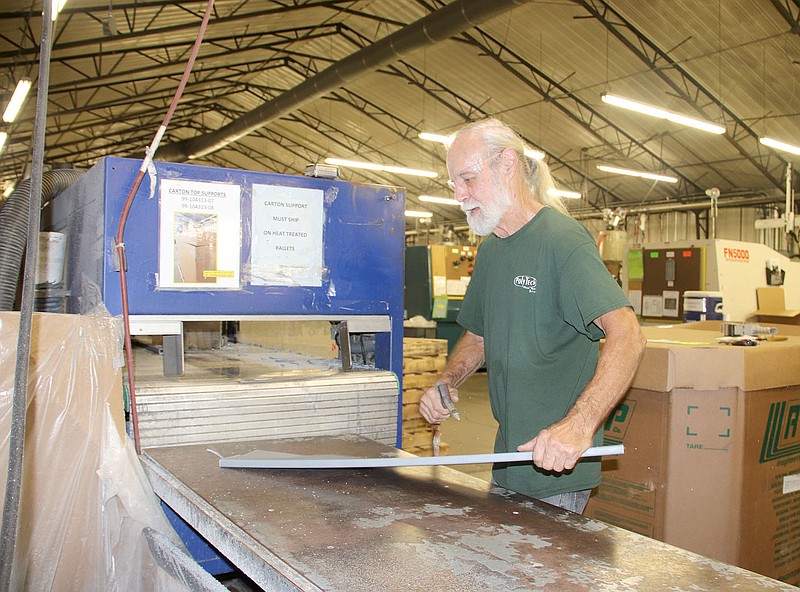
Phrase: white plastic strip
(264, 459)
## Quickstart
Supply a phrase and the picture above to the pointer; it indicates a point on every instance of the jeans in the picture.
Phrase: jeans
(574, 501)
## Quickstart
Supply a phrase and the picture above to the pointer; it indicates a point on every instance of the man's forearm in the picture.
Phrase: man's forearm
(616, 367)
(467, 356)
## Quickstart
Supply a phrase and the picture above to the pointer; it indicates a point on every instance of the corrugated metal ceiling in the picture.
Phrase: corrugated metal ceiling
(541, 67)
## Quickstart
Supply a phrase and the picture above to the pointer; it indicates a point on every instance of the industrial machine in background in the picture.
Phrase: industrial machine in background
(436, 280)
(667, 281)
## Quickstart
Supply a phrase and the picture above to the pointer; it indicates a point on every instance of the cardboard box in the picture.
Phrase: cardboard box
(72, 527)
(712, 450)
(772, 307)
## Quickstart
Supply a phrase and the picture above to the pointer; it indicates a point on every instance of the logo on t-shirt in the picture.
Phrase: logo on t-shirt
(525, 282)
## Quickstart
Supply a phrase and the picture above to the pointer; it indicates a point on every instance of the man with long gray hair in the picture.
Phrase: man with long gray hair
(539, 301)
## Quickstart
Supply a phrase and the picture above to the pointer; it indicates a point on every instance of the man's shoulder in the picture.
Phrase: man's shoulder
(555, 218)
(563, 227)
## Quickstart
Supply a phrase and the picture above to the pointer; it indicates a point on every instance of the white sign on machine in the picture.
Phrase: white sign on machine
(286, 236)
(199, 235)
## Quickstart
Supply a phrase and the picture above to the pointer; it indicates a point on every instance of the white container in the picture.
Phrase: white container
(702, 306)
(612, 246)
(52, 249)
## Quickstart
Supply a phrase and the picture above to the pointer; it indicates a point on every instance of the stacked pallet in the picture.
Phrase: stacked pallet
(423, 359)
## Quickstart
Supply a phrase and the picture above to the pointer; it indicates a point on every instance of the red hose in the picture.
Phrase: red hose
(120, 244)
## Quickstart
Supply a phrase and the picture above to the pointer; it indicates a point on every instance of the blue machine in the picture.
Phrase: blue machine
(355, 232)
(205, 243)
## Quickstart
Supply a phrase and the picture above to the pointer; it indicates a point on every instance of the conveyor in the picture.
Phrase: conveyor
(415, 528)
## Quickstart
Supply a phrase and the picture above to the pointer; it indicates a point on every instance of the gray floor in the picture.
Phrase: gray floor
(474, 434)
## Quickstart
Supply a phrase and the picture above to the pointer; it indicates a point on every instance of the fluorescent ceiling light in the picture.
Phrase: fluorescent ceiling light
(3, 139)
(447, 140)
(9, 190)
(440, 200)
(57, 6)
(418, 214)
(535, 154)
(15, 104)
(632, 173)
(381, 167)
(778, 145)
(663, 114)
(565, 194)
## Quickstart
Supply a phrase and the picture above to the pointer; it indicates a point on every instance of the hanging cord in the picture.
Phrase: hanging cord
(19, 403)
(120, 242)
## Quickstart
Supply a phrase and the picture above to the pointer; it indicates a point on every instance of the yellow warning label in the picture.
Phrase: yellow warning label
(217, 273)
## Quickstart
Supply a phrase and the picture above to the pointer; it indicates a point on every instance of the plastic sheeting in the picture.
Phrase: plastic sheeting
(85, 502)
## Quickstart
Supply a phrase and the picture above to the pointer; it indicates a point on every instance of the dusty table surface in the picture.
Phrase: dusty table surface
(413, 528)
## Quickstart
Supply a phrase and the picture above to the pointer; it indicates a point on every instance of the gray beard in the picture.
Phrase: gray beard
(489, 217)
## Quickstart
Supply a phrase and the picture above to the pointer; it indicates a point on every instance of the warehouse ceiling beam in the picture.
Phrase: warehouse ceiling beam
(686, 87)
(282, 141)
(460, 106)
(127, 92)
(248, 154)
(106, 125)
(790, 11)
(175, 65)
(189, 26)
(150, 104)
(469, 112)
(365, 108)
(86, 148)
(403, 129)
(258, 158)
(555, 93)
(245, 156)
(338, 136)
(438, 26)
(335, 136)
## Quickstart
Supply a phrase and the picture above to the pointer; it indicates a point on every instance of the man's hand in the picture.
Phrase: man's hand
(430, 405)
(466, 357)
(559, 447)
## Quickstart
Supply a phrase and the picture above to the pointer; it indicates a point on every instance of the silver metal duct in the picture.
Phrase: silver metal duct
(744, 201)
(437, 26)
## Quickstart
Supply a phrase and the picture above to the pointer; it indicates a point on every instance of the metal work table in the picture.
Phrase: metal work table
(415, 528)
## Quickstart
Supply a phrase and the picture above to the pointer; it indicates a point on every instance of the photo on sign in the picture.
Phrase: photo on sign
(195, 240)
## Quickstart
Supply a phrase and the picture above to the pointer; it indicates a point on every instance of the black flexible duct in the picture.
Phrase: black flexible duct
(452, 19)
(14, 224)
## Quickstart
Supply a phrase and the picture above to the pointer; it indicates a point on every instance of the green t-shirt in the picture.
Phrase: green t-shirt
(533, 298)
